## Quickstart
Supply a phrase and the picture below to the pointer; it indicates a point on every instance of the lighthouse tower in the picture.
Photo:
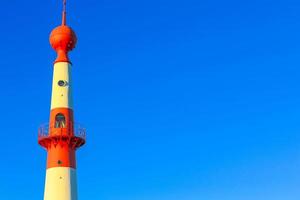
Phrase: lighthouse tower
(61, 137)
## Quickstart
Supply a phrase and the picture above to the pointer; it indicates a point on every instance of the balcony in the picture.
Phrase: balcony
(73, 135)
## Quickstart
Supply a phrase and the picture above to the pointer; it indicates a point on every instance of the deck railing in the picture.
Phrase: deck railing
(73, 129)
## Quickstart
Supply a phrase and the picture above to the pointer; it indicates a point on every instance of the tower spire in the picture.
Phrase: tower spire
(63, 39)
(64, 13)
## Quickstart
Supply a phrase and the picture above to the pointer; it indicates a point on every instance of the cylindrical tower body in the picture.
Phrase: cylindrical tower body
(61, 137)
(61, 164)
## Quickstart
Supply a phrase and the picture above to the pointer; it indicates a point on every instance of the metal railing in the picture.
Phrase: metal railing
(73, 129)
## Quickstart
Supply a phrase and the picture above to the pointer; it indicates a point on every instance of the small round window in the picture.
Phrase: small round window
(62, 83)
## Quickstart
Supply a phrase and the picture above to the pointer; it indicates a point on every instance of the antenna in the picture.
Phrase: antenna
(64, 14)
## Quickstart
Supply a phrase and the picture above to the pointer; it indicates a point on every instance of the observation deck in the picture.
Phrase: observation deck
(73, 135)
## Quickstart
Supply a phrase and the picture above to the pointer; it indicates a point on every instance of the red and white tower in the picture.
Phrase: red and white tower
(61, 137)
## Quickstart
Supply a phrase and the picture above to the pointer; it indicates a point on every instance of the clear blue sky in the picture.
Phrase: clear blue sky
(182, 100)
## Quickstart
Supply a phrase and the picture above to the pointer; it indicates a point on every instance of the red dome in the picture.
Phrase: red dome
(62, 40)
(63, 37)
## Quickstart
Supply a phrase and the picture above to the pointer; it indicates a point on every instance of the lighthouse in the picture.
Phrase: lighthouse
(61, 137)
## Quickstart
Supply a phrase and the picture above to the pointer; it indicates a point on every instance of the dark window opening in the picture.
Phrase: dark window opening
(60, 121)
(62, 83)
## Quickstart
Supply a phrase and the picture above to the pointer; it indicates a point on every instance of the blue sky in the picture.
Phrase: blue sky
(182, 100)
